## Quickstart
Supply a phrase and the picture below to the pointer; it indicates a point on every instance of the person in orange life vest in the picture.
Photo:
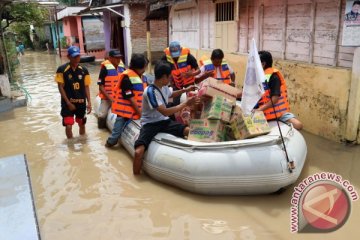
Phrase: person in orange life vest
(127, 96)
(73, 84)
(155, 114)
(108, 77)
(184, 67)
(275, 94)
(216, 67)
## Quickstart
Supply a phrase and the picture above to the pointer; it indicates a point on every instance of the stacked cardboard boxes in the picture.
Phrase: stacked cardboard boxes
(221, 120)
(248, 126)
(206, 130)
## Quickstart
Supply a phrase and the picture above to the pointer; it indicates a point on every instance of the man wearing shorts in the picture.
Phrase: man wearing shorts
(274, 102)
(155, 115)
(73, 83)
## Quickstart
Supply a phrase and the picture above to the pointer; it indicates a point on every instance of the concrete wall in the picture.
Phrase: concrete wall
(305, 39)
(5, 85)
(318, 95)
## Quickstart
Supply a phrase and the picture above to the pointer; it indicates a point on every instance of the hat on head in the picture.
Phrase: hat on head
(115, 53)
(73, 51)
(175, 49)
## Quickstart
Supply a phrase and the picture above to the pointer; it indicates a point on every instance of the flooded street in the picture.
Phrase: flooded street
(83, 190)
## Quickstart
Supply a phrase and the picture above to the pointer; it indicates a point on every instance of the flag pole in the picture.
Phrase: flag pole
(291, 165)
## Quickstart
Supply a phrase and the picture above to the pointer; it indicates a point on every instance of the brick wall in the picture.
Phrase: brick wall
(158, 31)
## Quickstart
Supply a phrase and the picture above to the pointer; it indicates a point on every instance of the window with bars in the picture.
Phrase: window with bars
(225, 11)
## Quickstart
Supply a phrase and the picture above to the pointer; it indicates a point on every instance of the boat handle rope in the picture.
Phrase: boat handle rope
(191, 148)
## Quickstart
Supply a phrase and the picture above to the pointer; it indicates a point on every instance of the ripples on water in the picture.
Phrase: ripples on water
(85, 191)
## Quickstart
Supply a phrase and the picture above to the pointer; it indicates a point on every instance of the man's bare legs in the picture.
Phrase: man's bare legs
(82, 129)
(139, 155)
(296, 123)
(68, 131)
(138, 159)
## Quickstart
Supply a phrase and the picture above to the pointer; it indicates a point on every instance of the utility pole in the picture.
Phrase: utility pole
(57, 31)
(148, 37)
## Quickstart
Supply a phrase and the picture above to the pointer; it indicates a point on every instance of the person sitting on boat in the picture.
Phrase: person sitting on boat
(108, 78)
(274, 102)
(127, 96)
(216, 67)
(184, 67)
(155, 114)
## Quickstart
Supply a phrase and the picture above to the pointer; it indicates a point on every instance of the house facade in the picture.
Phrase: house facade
(84, 31)
(305, 39)
(125, 27)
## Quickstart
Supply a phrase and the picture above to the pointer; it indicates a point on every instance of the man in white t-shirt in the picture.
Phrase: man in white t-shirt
(155, 115)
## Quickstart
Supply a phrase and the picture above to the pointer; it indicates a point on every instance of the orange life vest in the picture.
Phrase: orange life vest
(179, 67)
(111, 78)
(123, 107)
(282, 106)
(224, 70)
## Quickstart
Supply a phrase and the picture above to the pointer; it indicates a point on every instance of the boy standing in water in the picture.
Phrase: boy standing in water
(73, 83)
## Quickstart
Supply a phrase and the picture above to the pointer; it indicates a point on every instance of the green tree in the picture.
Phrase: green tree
(16, 19)
(22, 15)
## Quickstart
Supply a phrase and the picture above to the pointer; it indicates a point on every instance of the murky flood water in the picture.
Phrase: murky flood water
(84, 191)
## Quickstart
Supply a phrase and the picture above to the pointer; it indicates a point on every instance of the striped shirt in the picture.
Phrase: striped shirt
(152, 99)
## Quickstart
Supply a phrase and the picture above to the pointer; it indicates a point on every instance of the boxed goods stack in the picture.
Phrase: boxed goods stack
(206, 130)
(212, 87)
(218, 99)
(218, 107)
(248, 126)
(221, 119)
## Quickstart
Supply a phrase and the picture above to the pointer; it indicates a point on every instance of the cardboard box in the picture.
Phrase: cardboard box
(212, 87)
(218, 108)
(205, 130)
(229, 134)
(248, 126)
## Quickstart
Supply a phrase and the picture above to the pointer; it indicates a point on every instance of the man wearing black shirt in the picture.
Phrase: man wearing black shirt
(128, 96)
(274, 102)
(73, 83)
(353, 15)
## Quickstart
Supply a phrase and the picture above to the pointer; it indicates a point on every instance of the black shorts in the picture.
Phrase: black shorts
(149, 130)
(79, 111)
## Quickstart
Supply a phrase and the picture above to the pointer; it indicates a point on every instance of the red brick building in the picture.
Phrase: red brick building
(125, 26)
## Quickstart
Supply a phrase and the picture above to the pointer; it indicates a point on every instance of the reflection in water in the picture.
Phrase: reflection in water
(85, 191)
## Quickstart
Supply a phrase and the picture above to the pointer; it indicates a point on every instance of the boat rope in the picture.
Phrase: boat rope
(291, 165)
(190, 147)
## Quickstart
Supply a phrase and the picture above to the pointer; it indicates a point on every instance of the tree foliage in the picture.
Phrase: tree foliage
(27, 14)
(22, 15)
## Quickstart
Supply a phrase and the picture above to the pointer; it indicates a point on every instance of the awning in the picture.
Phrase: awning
(109, 7)
(159, 10)
(158, 14)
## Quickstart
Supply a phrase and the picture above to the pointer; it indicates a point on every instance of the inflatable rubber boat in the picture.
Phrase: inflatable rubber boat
(242, 167)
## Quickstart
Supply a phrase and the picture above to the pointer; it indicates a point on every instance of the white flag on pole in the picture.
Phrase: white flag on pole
(253, 83)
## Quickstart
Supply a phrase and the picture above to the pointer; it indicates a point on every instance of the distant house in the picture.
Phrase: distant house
(84, 31)
(125, 26)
